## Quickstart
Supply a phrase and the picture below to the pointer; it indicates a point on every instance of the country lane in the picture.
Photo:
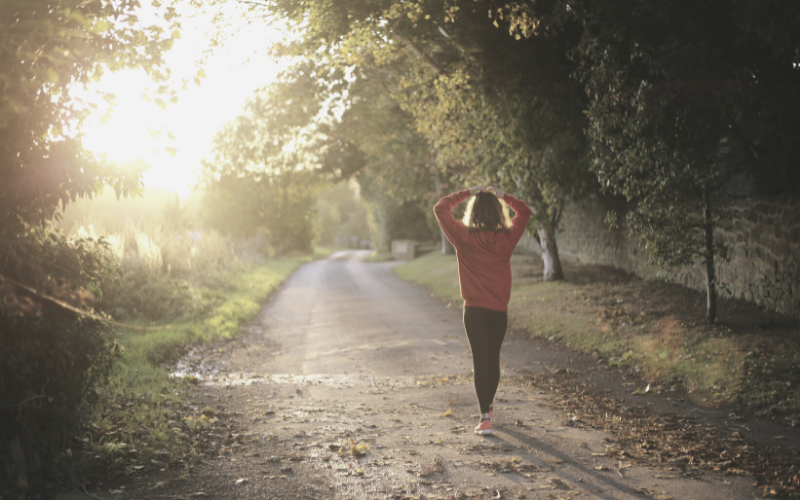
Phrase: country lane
(353, 384)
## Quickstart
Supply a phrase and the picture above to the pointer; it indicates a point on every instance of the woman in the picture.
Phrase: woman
(484, 242)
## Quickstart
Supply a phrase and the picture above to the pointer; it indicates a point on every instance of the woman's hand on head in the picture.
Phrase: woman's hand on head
(476, 189)
(496, 191)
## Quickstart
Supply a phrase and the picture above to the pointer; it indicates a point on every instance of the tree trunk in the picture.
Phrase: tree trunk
(711, 290)
(550, 259)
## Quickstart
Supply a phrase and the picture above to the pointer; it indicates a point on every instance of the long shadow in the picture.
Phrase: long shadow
(599, 478)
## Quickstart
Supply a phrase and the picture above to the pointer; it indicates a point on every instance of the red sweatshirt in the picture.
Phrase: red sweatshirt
(484, 258)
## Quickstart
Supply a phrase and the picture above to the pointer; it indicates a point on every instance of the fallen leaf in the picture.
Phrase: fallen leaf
(241, 481)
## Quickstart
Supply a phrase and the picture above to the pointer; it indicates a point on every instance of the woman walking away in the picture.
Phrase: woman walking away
(484, 242)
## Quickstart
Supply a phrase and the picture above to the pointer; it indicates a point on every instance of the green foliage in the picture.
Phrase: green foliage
(392, 162)
(486, 104)
(341, 216)
(49, 369)
(162, 270)
(392, 153)
(682, 97)
(50, 47)
(391, 219)
(678, 105)
(136, 409)
(659, 138)
(260, 177)
(478, 105)
(51, 359)
(280, 205)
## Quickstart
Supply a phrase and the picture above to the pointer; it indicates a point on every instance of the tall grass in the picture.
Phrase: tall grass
(199, 287)
(140, 399)
(662, 350)
(166, 273)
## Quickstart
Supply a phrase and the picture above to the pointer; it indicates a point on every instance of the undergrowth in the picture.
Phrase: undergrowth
(133, 427)
(646, 328)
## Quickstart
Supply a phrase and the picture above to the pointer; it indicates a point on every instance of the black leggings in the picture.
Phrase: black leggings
(486, 330)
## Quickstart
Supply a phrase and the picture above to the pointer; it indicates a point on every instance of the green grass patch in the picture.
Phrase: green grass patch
(651, 328)
(435, 271)
(138, 405)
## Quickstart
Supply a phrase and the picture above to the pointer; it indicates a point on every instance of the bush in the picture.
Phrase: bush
(162, 270)
(55, 364)
(50, 365)
(282, 206)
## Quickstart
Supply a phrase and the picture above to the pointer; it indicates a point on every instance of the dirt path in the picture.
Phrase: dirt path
(352, 384)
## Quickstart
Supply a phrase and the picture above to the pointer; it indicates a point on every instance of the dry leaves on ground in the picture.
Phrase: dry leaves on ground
(673, 442)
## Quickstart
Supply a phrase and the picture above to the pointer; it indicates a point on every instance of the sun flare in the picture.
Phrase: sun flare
(175, 140)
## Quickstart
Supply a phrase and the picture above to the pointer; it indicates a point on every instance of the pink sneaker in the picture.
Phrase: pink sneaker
(484, 428)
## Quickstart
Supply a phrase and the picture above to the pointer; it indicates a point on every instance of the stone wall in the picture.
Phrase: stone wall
(763, 239)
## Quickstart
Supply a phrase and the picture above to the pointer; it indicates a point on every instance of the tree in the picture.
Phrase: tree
(394, 162)
(48, 48)
(683, 96)
(342, 216)
(261, 174)
(50, 356)
(488, 106)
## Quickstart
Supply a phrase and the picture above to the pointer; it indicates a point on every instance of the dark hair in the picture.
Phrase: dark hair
(485, 212)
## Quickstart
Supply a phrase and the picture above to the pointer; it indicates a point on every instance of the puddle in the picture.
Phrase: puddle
(215, 378)
(199, 364)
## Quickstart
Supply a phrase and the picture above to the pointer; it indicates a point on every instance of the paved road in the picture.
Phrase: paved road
(346, 350)
(343, 315)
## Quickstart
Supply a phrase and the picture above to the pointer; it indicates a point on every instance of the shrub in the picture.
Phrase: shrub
(162, 270)
(49, 370)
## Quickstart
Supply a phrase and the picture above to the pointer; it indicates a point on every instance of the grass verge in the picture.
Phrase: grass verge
(749, 357)
(137, 424)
